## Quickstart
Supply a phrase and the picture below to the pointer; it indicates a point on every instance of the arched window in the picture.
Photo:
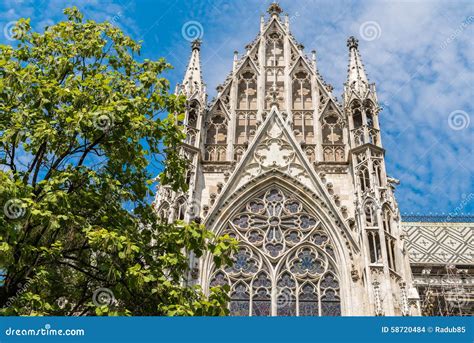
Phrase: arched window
(374, 246)
(193, 111)
(301, 90)
(274, 68)
(390, 241)
(247, 90)
(163, 212)
(285, 264)
(369, 113)
(333, 145)
(378, 173)
(180, 209)
(387, 220)
(370, 214)
(356, 115)
(217, 131)
(364, 178)
(216, 139)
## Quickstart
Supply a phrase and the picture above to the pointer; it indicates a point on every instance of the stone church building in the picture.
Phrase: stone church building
(299, 179)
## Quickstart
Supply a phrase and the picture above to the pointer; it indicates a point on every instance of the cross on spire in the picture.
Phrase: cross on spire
(274, 9)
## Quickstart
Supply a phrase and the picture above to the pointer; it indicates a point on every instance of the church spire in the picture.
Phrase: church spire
(192, 82)
(356, 79)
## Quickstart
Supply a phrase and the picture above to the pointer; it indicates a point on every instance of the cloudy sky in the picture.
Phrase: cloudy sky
(419, 53)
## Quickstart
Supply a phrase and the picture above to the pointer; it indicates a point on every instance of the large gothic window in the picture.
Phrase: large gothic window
(285, 264)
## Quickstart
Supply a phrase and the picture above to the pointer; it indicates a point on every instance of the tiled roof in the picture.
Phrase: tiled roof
(440, 242)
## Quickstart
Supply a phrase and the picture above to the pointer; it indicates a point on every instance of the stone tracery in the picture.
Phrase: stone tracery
(285, 263)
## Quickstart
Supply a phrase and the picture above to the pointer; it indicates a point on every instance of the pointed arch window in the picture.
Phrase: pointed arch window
(333, 144)
(180, 209)
(217, 131)
(375, 252)
(369, 113)
(193, 111)
(364, 178)
(163, 212)
(274, 69)
(357, 118)
(378, 172)
(390, 241)
(370, 210)
(301, 90)
(247, 90)
(285, 264)
(216, 139)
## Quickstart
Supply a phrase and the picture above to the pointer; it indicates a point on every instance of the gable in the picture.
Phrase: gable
(275, 151)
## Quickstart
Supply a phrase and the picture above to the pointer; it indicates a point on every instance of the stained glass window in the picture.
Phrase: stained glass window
(285, 264)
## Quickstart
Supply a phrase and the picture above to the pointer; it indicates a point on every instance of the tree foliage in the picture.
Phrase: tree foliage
(79, 125)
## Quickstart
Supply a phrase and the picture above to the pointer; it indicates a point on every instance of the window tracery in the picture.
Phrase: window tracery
(274, 69)
(163, 212)
(364, 178)
(216, 139)
(390, 240)
(303, 127)
(378, 172)
(285, 262)
(301, 91)
(180, 209)
(333, 144)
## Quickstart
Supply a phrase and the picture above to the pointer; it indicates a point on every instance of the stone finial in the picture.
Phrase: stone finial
(274, 9)
(352, 42)
(196, 44)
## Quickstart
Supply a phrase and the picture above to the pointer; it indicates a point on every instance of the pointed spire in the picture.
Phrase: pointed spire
(192, 78)
(357, 79)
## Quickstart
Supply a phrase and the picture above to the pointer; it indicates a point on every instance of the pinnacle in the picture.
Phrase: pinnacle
(274, 9)
(352, 42)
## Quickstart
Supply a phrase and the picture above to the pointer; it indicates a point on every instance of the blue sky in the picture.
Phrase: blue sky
(419, 53)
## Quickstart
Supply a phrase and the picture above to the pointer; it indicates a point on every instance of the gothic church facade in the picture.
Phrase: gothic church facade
(299, 179)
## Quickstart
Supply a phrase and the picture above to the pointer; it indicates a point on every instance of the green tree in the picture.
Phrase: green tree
(79, 125)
